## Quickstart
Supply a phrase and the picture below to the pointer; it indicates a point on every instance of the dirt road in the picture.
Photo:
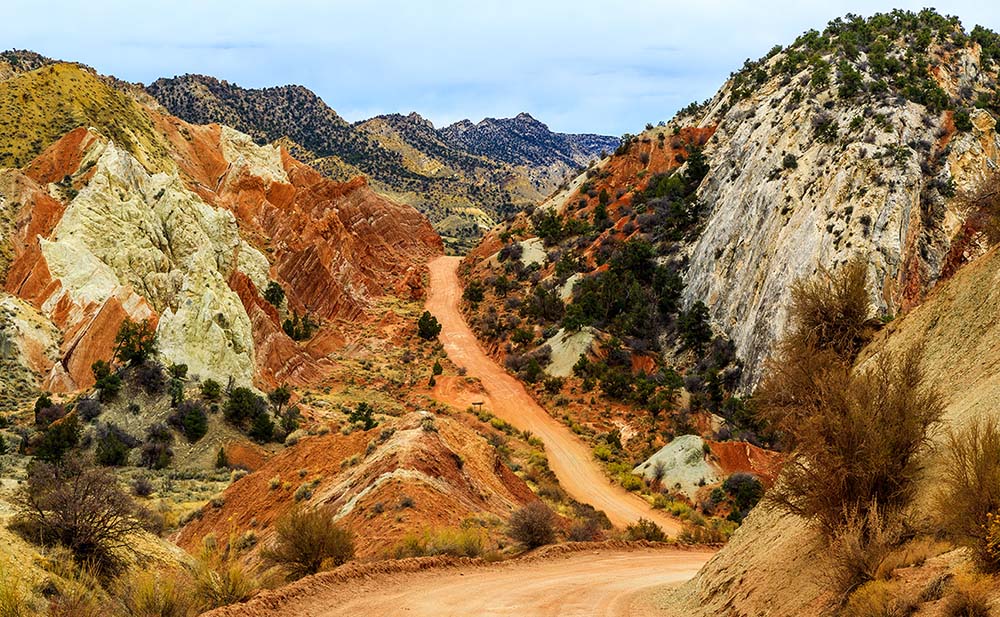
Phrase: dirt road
(594, 583)
(569, 457)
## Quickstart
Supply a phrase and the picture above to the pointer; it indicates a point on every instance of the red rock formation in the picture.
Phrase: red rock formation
(333, 247)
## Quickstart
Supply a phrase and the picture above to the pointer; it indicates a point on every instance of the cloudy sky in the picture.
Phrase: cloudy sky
(578, 65)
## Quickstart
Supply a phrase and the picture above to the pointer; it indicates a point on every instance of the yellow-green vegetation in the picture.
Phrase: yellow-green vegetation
(39, 107)
(465, 541)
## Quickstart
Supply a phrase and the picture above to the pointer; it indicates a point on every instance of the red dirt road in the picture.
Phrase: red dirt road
(569, 457)
(593, 583)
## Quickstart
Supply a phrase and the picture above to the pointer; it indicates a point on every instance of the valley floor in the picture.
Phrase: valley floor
(601, 582)
(569, 458)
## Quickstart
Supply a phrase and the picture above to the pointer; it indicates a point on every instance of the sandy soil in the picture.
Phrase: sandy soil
(571, 460)
(599, 582)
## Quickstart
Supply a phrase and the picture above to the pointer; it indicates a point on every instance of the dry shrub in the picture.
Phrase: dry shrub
(878, 599)
(458, 542)
(832, 311)
(82, 508)
(533, 525)
(860, 547)
(970, 488)
(857, 435)
(148, 593)
(308, 541)
(219, 577)
(970, 598)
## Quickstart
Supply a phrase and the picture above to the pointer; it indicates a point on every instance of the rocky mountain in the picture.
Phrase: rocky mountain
(138, 214)
(854, 141)
(454, 180)
(523, 140)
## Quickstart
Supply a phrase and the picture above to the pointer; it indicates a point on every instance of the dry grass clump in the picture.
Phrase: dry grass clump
(219, 577)
(457, 542)
(308, 541)
(160, 593)
(13, 601)
(970, 598)
(878, 599)
(970, 489)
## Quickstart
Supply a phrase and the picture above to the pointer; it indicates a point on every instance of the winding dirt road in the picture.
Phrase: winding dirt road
(594, 583)
(569, 458)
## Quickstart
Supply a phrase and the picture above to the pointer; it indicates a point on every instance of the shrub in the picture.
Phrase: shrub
(45, 416)
(60, 437)
(644, 529)
(970, 488)
(473, 292)
(274, 294)
(113, 445)
(694, 328)
(984, 199)
(428, 327)
(81, 508)
(877, 599)
(107, 383)
(190, 419)
(142, 486)
(211, 390)
(135, 342)
(150, 376)
(861, 545)
(829, 413)
(832, 311)
(159, 593)
(279, 397)
(13, 600)
(243, 407)
(789, 162)
(363, 414)
(533, 525)
(971, 598)
(745, 489)
(220, 578)
(156, 452)
(88, 409)
(307, 540)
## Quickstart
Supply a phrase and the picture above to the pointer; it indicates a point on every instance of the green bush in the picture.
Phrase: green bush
(428, 327)
(135, 342)
(274, 294)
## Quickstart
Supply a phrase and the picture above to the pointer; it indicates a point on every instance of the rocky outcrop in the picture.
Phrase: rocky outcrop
(868, 193)
(190, 242)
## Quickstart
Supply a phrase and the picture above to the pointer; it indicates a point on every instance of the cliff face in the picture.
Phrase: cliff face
(796, 187)
(190, 239)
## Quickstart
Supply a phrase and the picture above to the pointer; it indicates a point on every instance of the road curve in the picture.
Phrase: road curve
(592, 583)
(569, 458)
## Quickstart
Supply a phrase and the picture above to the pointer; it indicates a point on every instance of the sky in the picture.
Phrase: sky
(580, 66)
